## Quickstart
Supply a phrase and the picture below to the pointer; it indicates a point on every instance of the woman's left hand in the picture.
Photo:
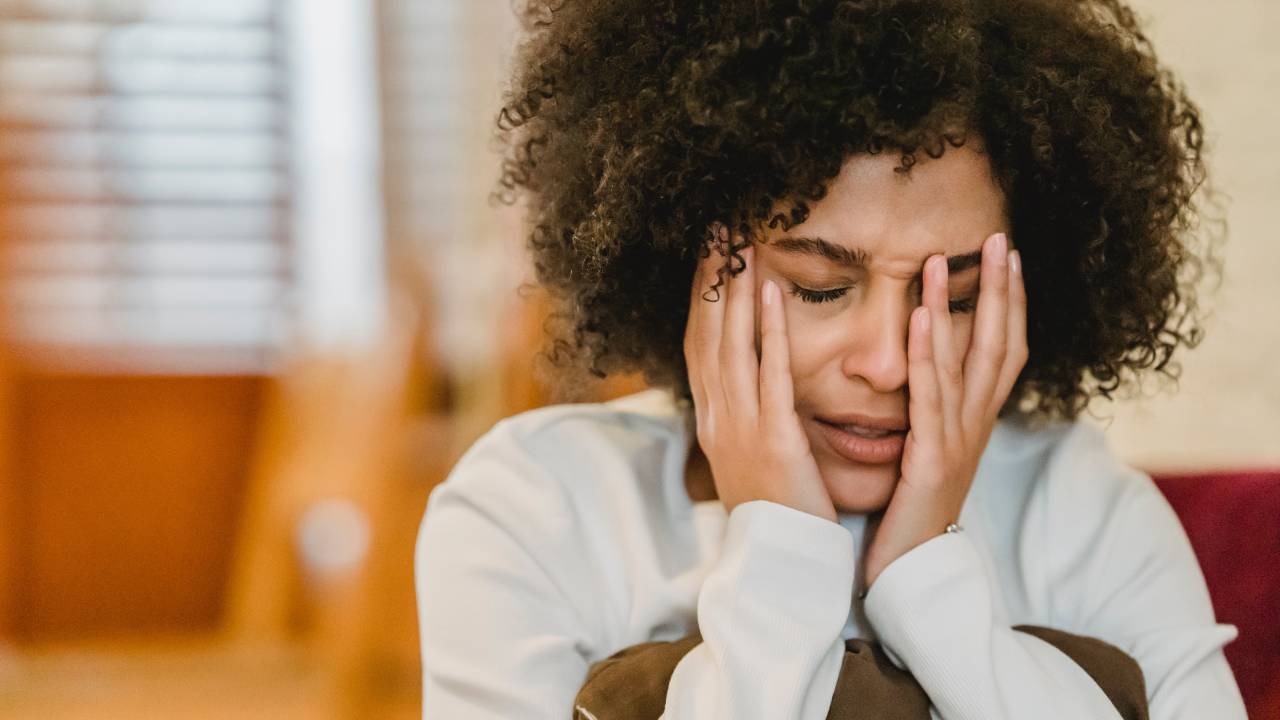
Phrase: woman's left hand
(953, 402)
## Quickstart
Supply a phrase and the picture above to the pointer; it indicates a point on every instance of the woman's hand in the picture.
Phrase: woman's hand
(952, 404)
(746, 420)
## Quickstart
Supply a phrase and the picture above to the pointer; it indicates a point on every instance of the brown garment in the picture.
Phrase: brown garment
(871, 687)
(632, 683)
(1116, 673)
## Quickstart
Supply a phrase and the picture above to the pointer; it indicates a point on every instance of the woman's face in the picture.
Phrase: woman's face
(850, 276)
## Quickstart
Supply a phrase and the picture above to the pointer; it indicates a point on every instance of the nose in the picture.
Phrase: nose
(876, 350)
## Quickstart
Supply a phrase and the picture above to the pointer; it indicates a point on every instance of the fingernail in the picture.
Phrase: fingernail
(769, 293)
(1015, 262)
(1000, 246)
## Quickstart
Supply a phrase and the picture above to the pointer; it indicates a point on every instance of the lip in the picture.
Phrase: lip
(864, 450)
(867, 421)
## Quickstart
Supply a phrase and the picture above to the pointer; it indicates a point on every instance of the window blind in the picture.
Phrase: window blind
(144, 184)
(423, 74)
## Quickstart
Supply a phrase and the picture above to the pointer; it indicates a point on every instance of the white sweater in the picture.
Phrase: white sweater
(566, 534)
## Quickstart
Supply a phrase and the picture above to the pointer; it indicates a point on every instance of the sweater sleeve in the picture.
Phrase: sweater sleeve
(1115, 564)
(771, 613)
(1143, 591)
(932, 611)
(509, 610)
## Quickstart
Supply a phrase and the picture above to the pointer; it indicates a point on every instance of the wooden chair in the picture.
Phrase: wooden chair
(319, 619)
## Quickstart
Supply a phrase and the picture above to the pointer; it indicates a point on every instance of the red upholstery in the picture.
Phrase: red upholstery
(1233, 520)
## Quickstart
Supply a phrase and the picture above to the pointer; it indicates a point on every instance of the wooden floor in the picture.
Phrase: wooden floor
(193, 679)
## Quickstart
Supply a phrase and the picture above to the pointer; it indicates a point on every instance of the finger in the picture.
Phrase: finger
(776, 391)
(950, 380)
(739, 366)
(924, 399)
(1016, 351)
(697, 342)
(691, 339)
(711, 324)
(986, 355)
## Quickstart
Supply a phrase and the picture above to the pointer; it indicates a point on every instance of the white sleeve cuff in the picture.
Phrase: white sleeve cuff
(932, 606)
(771, 612)
(782, 571)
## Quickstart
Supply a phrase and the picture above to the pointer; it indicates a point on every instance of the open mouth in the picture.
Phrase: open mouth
(864, 431)
(871, 442)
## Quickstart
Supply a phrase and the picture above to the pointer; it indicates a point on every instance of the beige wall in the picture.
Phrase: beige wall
(1226, 412)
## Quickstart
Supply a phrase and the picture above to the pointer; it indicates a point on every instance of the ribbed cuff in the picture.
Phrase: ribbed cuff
(931, 606)
(772, 609)
(781, 569)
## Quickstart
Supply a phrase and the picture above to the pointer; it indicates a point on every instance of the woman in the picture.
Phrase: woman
(874, 257)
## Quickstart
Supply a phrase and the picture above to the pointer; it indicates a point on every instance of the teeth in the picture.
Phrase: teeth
(869, 433)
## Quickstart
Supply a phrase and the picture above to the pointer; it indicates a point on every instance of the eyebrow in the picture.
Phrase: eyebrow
(857, 257)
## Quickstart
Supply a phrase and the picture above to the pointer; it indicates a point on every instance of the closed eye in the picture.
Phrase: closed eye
(816, 297)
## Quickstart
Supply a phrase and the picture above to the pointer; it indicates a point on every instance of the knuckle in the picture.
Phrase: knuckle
(702, 345)
(925, 393)
(953, 375)
(725, 359)
(692, 352)
(986, 348)
(706, 436)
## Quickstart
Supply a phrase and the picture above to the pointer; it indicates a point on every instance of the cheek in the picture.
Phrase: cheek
(809, 340)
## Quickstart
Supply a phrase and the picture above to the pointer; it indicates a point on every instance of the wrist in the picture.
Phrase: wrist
(879, 560)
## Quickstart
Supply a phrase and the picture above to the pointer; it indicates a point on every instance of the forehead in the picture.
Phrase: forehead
(948, 205)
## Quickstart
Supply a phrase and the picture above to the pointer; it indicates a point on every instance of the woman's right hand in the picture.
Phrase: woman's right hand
(746, 419)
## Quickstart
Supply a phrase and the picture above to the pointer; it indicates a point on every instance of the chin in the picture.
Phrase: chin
(859, 488)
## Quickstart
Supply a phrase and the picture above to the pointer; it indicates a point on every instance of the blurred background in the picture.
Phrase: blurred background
(257, 301)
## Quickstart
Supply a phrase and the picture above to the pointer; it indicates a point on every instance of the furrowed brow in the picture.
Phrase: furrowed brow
(838, 254)
(858, 258)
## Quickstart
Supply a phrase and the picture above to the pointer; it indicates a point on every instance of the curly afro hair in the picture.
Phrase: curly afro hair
(632, 126)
